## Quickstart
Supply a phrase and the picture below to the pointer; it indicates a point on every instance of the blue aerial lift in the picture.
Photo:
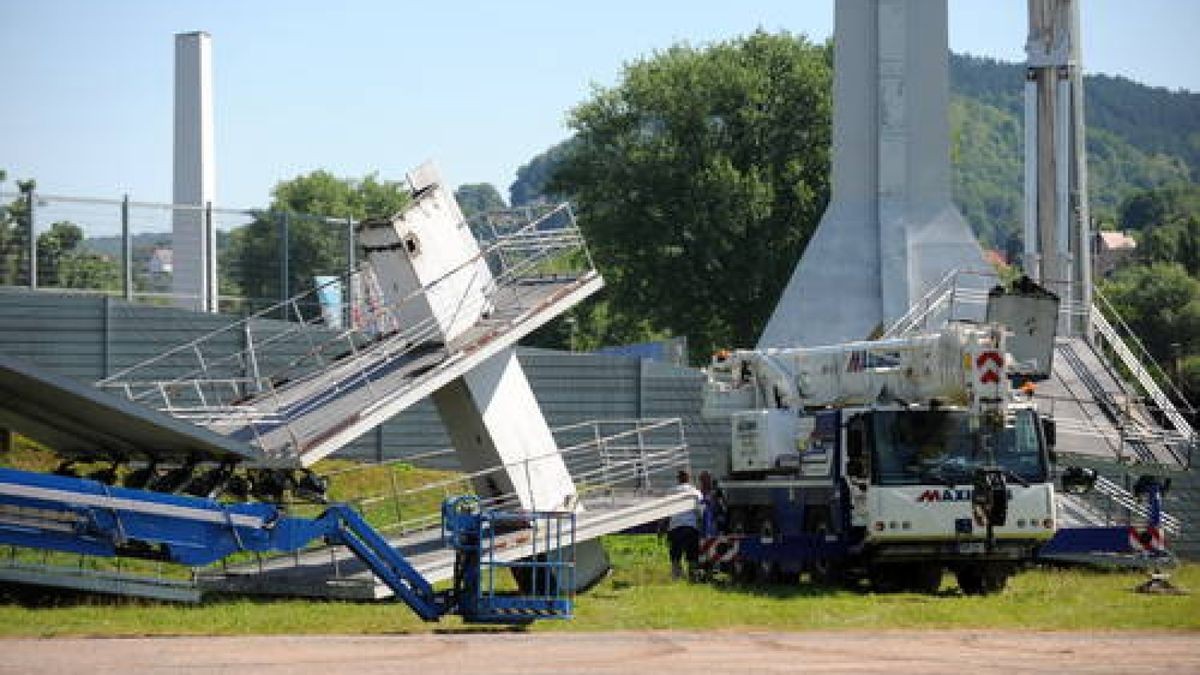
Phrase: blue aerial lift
(82, 516)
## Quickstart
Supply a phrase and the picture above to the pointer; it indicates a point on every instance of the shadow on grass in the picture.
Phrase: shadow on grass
(778, 590)
(42, 597)
(47, 597)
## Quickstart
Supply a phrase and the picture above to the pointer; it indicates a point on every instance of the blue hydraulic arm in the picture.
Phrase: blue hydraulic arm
(346, 527)
(87, 517)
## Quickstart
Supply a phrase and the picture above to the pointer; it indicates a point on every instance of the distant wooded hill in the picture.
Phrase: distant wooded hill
(1139, 138)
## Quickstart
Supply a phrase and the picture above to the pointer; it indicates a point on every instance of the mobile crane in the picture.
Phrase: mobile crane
(893, 460)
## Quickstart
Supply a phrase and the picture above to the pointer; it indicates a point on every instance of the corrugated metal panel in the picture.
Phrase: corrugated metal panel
(64, 332)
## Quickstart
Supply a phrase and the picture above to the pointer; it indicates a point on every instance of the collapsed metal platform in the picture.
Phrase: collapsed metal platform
(86, 423)
(435, 312)
(283, 406)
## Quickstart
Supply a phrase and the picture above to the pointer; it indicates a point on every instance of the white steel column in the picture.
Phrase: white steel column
(891, 231)
(194, 277)
(494, 419)
(1057, 231)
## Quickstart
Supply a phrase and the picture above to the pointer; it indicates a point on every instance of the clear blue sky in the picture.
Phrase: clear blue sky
(356, 87)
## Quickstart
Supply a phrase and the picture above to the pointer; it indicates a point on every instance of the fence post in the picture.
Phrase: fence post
(379, 444)
(28, 188)
(284, 281)
(126, 250)
(350, 263)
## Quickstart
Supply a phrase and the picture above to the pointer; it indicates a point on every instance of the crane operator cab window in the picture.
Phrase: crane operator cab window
(940, 447)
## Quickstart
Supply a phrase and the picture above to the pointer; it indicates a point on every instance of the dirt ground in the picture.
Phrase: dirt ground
(652, 653)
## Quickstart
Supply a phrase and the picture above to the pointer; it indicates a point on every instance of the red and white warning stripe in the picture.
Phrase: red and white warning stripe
(719, 549)
(1148, 539)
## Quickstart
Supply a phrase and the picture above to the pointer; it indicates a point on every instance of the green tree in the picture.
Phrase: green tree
(14, 237)
(533, 177)
(699, 178)
(476, 198)
(1188, 376)
(1177, 241)
(985, 151)
(53, 246)
(90, 270)
(313, 209)
(1161, 303)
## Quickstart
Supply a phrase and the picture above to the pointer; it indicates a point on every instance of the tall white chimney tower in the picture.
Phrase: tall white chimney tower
(194, 279)
(891, 231)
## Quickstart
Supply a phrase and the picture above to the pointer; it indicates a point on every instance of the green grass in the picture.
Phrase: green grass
(641, 595)
(638, 595)
(23, 453)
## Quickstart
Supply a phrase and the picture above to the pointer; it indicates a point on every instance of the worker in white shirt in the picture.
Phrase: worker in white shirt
(683, 530)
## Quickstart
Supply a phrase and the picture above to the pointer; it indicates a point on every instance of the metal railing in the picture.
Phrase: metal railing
(1118, 506)
(961, 295)
(603, 458)
(608, 461)
(239, 376)
(1141, 373)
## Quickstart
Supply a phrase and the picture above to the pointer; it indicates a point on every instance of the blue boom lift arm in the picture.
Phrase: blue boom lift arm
(77, 515)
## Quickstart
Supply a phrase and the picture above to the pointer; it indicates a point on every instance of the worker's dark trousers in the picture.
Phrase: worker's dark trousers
(685, 544)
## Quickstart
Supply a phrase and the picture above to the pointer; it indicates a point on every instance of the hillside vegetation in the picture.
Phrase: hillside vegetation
(1138, 138)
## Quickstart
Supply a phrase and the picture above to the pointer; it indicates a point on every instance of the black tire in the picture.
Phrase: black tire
(982, 579)
(824, 571)
(925, 578)
(911, 577)
(768, 571)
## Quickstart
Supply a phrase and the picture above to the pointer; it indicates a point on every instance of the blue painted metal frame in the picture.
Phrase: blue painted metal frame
(82, 516)
(549, 572)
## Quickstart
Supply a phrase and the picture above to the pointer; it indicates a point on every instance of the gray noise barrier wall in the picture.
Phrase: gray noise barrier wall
(89, 337)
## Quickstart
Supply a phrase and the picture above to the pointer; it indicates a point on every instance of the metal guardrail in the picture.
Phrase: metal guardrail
(955, 298)
(602, 456)
(157, 580)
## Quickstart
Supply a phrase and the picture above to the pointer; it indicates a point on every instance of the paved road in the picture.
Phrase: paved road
(651, 653)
